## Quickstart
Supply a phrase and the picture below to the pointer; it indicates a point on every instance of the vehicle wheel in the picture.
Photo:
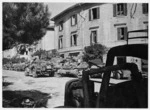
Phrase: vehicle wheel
(76, 103)
(51, 73)
(58, 75)
(118, 76)
(34, 74)
(26, 71)
(79, 76)
(102, 74)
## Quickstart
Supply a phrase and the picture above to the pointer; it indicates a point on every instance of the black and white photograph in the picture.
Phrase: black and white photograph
(75, 54)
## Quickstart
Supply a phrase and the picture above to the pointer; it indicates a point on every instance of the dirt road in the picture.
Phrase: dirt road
(54, 86)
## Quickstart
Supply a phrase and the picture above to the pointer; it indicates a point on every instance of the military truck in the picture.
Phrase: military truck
(131, 93)
(39, 68)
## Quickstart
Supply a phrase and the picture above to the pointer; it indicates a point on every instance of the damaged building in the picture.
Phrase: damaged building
(84, 24)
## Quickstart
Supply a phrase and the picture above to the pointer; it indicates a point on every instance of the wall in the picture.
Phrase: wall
(47, 42)
(107, 26)
(9, 53)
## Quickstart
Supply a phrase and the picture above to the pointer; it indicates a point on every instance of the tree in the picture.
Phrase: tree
(24, 23)
(95, 51)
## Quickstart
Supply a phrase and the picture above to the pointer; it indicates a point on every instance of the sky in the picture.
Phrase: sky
(56, 8)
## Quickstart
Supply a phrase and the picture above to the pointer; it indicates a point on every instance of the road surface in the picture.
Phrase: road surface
(54, 86)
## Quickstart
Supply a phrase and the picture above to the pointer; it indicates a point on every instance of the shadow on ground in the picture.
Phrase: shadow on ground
(25, 99)
(5, 84)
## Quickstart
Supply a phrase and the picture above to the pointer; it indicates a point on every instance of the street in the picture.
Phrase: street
(54, 86)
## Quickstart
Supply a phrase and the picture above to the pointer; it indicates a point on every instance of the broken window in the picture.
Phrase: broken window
(61, 26)
(74, 20)
(122, 33)
(145, 8)
(120, 9)
(93, 37)
(94, 13)
(74, 39)
(60, 42)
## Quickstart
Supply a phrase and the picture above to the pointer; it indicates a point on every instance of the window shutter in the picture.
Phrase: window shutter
(76, 18)
(125, 9)
(90, 15)
(114, 10)
(95, 36)
(71, 40)
(76, 39)
(58, 44)
(91, 38)
(98, 13)
(62, 43)
(145, 8)
(125, 33)
(71, 20)
(118, 33)
(62, 25)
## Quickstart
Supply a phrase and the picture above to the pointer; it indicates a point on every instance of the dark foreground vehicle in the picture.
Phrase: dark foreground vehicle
(132, 93)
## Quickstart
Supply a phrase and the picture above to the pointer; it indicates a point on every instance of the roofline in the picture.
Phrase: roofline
(76, 5)
(72, 7)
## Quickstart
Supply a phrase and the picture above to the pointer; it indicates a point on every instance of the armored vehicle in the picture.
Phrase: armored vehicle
(38, 68)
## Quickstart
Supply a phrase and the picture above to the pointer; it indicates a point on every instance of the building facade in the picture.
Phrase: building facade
(84, 24)
(47, 42)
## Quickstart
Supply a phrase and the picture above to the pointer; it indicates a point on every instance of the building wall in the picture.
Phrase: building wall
(10, 53)
(106, 26)
(47, 42)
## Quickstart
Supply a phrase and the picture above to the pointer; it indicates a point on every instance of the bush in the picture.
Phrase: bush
(47, 55)
(40, 53)
(13, 60)
(95, 51)
(6, 60)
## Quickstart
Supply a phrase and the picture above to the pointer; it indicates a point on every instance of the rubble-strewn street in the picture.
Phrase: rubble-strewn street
(54, 86)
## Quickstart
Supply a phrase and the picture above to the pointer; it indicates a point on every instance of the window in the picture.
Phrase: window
(93, 37)
(122, 33)
(145, 8)
(74, 20)
(74, 54)
(121, 60)
(94, 13)
(60, 42)
(74, 39)
(61, 26)
(120, 9)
